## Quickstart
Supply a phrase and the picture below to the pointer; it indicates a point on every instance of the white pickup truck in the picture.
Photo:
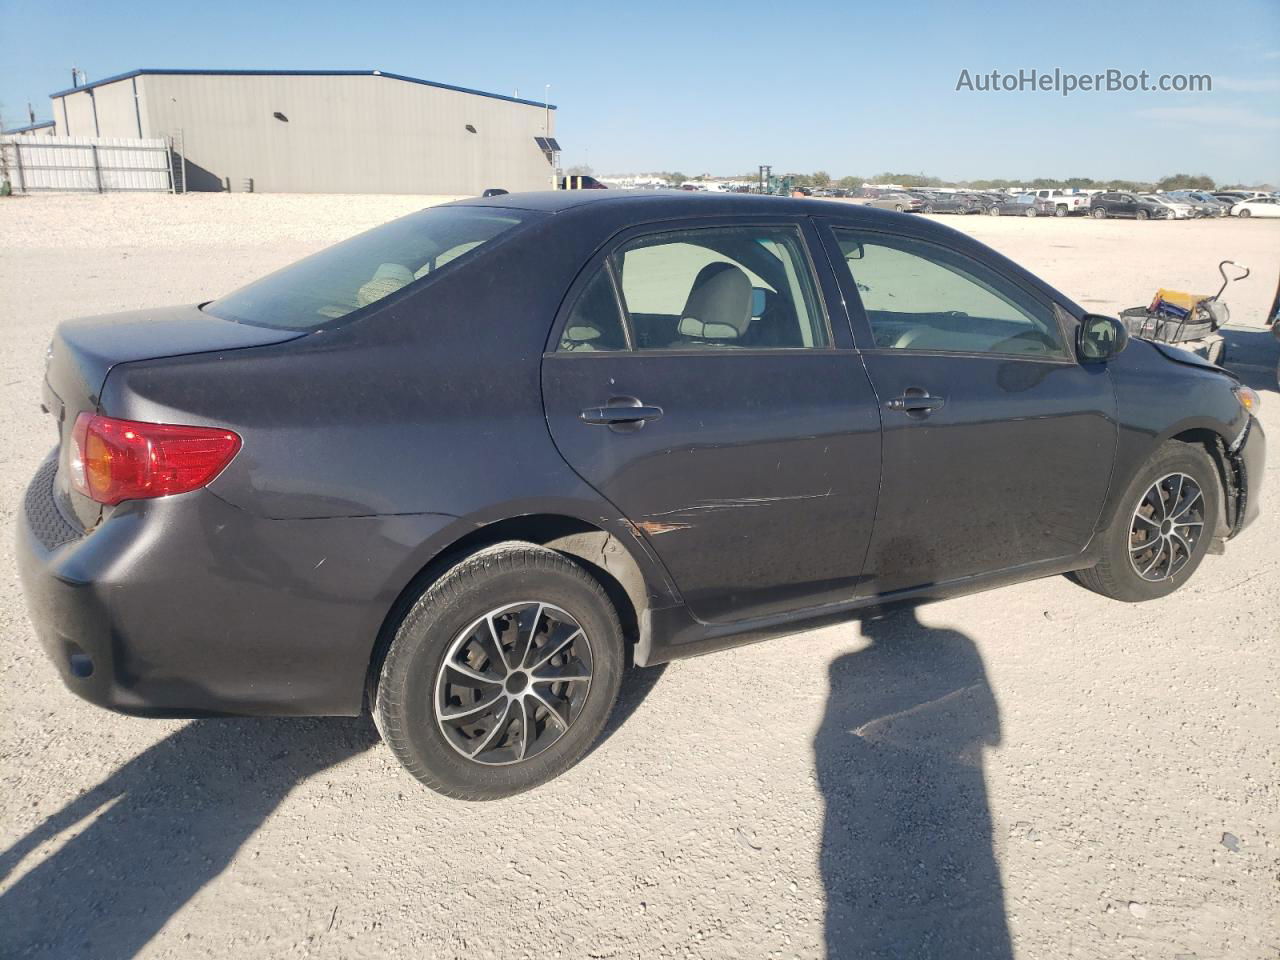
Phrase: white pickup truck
(1063, 202)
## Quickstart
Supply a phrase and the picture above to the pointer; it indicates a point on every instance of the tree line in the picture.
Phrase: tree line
(822, 180)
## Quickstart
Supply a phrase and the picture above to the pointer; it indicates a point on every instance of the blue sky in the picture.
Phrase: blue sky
(692, 87)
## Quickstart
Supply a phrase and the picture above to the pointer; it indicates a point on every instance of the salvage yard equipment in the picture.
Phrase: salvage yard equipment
(1186, 320)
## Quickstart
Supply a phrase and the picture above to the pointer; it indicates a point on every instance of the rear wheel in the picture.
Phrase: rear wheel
(994, 211)
(1031, 212)
(502, 674)
(1245, 213)
(1099, 213)
(1141, 215)
(928, 208)
(1163, 528)
(1060, 210)
(898, 207)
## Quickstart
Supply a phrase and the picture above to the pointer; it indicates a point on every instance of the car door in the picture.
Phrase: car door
(998, 444)
(693, 379)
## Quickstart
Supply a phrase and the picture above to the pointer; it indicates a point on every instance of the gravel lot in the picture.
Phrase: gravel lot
(1033, 773)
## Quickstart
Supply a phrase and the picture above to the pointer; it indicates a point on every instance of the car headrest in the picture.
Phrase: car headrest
(719, 304)
(387, 279)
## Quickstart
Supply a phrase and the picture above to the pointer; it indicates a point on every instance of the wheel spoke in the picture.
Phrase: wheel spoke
(471, 674)
(470, 711)
(520, 652)
(1187, 509)
(504, 719)
(575, 676)
(497, 642)
(1186, 548)
(546, 704)
(1145, 519)
(1173, 501)
(552, 648)
(1155, 559)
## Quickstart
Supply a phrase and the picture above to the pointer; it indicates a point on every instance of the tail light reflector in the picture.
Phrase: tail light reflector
(114, 460)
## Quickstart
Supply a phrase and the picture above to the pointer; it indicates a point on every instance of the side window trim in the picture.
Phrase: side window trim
(864, 339)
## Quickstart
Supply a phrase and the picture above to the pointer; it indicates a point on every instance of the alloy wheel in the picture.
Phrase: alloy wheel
(513, 682)
(1166, 527)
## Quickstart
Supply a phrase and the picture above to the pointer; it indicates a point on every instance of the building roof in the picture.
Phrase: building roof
(147, 71)
(29, 127)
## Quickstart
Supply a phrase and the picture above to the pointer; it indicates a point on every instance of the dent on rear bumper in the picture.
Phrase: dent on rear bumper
(188, 606)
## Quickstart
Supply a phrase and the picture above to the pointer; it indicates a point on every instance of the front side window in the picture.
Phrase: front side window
(358, 272)
(720, 288)
(920, 296)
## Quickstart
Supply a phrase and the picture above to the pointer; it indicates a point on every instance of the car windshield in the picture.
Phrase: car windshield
(345, 278)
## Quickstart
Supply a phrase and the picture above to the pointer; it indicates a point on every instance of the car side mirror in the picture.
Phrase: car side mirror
(1100, 338)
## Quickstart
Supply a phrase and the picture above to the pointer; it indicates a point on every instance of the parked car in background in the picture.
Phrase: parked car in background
(950, 203)
(1023, 205)
(1177, 209)
(1230, 198)
(463, 469)
(902, 202)
(1257, 207)
(1205, 204)
(1103, 205)
(1065, 203)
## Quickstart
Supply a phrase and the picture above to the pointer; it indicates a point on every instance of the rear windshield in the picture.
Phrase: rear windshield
(333, 283)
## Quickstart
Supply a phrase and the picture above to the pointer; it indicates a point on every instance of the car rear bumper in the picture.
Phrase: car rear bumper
(189, 606)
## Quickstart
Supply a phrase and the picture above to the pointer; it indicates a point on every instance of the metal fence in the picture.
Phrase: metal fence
(87, 164)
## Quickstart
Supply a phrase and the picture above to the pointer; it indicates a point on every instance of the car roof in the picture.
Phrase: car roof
(694, 202)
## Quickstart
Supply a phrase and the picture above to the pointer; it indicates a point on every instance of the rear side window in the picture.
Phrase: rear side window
(333, 283)
(595, 322)
(720, 288)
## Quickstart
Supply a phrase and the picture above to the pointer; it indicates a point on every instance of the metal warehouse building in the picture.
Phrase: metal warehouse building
(321, 131)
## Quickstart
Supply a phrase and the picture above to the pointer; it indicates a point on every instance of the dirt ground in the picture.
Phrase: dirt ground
(1038, 771)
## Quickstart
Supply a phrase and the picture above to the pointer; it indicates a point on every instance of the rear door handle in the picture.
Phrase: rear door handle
(621, 411)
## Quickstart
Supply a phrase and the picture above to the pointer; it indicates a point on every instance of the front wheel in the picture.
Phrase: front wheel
(1245, 213)
(994, 211)
(1099, 213)
(1060, 210)
(502, 674)
(1141, 215)
(1162, 529)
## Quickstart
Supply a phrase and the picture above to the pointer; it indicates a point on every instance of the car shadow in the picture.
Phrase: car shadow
(907, 857)
(1252, 355)
(157, 830)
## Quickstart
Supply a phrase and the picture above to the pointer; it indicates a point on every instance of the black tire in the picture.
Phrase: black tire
(898, 207)
(1060, 210)
(1031, 212)
(928, 208)
(993, 211)
(1141, 215)
(1116, 575)
(1245, 213)
(1098, 213)
(405, 703)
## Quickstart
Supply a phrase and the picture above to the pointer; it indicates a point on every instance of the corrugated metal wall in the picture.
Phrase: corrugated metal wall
(89, 164)
(343, 134)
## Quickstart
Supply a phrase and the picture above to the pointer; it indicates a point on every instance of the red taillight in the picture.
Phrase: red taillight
(114, 460)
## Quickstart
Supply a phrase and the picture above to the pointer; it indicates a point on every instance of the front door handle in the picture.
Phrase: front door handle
(621, 412)
(916, 402)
